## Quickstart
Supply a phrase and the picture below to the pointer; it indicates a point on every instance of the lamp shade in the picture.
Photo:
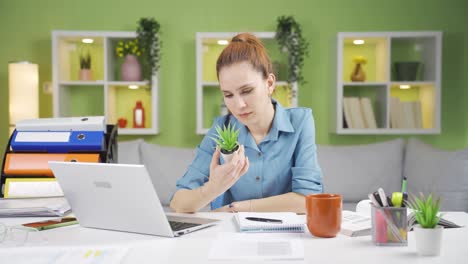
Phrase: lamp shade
(23, 83)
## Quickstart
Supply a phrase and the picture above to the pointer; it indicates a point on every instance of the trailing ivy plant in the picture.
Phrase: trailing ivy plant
(290, 40)
(150, 45)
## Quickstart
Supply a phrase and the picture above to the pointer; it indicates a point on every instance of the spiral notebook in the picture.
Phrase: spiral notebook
(290, 222)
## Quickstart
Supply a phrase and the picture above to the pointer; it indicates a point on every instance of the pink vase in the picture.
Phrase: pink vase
(131, 69)
(86, 75)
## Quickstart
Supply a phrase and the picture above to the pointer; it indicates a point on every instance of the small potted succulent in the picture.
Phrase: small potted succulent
(226, 139)
(85, 67)
(427, 232)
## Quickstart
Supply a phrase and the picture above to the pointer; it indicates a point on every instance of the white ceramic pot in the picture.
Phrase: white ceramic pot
(428, 240)
(228, 157)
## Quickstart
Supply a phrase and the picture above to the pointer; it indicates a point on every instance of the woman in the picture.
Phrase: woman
(276, 164)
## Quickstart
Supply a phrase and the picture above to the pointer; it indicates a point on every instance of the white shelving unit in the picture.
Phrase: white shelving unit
(207, 51)
(106, 94)
(418, 106)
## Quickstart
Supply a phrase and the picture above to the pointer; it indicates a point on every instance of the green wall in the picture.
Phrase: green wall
(25, 27)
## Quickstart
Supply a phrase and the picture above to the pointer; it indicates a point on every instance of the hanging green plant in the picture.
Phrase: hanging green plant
(290, 40)
(150, 45)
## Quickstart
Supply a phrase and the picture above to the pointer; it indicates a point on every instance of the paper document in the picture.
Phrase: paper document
(53, 255)
(22, 207)
(256, 247)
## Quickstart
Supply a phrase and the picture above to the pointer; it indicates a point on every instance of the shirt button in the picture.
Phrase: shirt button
(257, 178)
(259, 154)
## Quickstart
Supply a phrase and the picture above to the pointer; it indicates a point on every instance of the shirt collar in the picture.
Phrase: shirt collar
(281, 122)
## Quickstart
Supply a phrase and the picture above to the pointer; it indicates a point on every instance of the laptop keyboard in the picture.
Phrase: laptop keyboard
(176, 226)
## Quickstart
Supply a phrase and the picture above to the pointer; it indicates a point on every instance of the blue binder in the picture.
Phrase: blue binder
(58, 141)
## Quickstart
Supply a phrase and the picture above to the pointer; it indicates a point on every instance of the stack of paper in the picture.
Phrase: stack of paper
(24, 207)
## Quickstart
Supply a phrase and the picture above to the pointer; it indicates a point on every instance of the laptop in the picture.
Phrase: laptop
(119, 197)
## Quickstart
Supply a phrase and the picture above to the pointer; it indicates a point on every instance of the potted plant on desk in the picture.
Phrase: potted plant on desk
(226, 139)
(427, 232)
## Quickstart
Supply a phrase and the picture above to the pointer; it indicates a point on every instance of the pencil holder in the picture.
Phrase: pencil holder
(389, 226)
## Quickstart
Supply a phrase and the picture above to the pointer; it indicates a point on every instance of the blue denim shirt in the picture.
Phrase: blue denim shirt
(285, 161)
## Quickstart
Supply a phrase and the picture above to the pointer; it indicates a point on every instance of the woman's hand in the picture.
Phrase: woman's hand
(223, 177)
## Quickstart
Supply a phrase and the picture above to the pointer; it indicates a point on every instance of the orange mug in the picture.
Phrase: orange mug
(324, 214)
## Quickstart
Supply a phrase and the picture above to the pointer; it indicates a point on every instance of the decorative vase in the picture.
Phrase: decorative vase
(86, 75)
(428, 240)
(406, 70)
(131, 69)
(358, 74)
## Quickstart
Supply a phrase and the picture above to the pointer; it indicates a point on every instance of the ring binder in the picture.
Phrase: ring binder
(106, 153)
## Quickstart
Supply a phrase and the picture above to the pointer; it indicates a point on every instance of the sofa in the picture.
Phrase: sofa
(352, 171)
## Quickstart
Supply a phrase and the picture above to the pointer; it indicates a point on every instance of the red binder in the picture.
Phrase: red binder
(20, 164)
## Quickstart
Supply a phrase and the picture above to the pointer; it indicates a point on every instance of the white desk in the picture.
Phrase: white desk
(194, 247)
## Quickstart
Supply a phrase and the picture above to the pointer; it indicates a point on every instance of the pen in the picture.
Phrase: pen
(267, 220)
(403, 185)
(383, 197)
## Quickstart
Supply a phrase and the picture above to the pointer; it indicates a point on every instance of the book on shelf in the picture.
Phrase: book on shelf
(356, 113)
(347, 112)
(405, 114)
(281, 222)
(359, 113)
(368, 113)
(394, 112)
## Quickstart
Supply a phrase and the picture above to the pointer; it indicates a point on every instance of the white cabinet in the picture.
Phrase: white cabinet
(402, 84)
(103, 93)
(209, 46)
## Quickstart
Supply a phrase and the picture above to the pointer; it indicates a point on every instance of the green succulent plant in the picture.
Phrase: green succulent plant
(426, 210)
(226, 138)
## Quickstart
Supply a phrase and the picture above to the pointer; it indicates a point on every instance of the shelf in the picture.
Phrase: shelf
(136, 131)
(347, 131)
(81, 83)
(104, 95)
(364, 83)
(210, 84)
(403, 103)
(122, 83)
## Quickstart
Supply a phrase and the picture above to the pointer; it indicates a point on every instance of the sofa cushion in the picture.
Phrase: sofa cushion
(165, 165)
(356, 171)
(129, 152)
(444, 173)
